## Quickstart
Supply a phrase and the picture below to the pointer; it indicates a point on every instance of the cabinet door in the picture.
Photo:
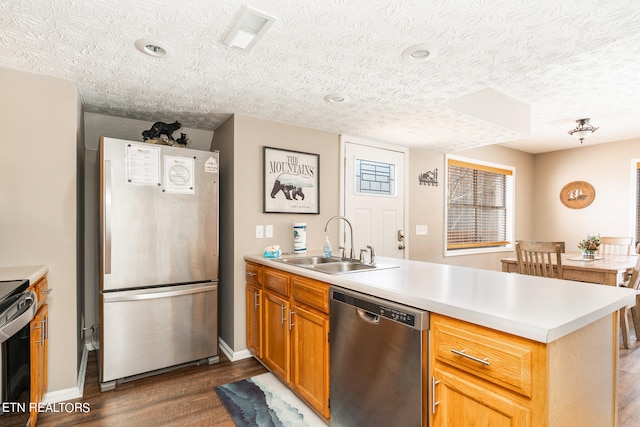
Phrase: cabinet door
(276, 348)
(254, 320)
(39, 365)
(463, 401)
(310, 357)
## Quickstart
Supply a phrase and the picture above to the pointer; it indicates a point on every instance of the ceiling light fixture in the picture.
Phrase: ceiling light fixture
(583, 130)
(250, 26)
(152, 48)
(419, 52)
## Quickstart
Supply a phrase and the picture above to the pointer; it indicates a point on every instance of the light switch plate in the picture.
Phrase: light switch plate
(259, 231)
(421, 230)
(268, 231)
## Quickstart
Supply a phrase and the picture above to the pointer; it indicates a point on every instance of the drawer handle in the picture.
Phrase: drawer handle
(250, 274)
(463, 353)
(46, 291)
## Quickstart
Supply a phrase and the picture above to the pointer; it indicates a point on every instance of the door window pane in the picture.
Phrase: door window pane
(375, 177)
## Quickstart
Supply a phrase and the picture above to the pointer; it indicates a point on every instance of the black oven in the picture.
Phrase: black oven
(17, 308)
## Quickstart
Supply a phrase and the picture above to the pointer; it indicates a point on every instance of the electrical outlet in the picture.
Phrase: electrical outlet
(421, 230)
(259, 231)
(268, 231)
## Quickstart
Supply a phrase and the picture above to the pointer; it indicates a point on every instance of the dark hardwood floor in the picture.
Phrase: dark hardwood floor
(183, 397)
(186, 397)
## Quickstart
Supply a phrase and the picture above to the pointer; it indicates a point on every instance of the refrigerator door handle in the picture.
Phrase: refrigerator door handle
(165, 292)
(107, 217)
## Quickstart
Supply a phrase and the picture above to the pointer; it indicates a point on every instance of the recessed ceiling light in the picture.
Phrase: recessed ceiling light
(419, 52)
(152, 48)
(335, 98)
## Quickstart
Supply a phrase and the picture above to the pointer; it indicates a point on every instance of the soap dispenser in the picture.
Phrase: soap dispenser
(327, 247)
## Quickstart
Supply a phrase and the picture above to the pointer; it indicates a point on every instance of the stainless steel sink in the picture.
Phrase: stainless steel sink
(309, 260)
(333, 265)
(343, 267)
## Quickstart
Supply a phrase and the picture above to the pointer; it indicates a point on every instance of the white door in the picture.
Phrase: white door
(374, 197)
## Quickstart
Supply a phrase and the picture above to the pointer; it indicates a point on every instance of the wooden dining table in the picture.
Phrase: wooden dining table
(608, 270)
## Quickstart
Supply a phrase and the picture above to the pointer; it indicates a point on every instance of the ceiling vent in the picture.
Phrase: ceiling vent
(250, 26)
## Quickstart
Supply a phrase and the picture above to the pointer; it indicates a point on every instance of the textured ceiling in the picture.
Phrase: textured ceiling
(565, 60)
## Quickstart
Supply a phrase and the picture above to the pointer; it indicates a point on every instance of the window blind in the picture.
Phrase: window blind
(478, 205)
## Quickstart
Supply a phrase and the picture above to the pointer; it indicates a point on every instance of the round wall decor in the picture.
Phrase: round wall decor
(577, 194)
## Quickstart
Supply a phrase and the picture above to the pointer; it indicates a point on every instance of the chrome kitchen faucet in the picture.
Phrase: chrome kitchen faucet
(352, 255)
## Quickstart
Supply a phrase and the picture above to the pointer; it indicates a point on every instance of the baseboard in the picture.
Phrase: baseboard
(73, 392)
(233, 355)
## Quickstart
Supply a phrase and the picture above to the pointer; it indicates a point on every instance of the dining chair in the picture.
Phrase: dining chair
(632, 283)
(537, 258)
(615, 245)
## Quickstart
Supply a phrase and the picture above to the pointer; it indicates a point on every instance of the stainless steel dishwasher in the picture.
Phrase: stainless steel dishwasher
(376, 361)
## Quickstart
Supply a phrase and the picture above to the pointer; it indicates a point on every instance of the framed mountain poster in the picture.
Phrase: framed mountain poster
(291, 181)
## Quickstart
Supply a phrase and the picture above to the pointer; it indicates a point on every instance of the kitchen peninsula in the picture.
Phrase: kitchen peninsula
(552, 344)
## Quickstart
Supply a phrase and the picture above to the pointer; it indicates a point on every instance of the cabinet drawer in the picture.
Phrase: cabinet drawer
(500, 358)
(311, 293)
(253, 273)
(275, 280)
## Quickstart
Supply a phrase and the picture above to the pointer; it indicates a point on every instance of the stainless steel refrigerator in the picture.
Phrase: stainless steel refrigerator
(158, 258)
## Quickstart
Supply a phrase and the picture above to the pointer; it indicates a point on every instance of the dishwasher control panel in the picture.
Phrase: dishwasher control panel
(377, 308)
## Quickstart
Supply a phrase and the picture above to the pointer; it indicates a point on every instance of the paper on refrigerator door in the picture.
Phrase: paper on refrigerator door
(143, 164)
(179, 175)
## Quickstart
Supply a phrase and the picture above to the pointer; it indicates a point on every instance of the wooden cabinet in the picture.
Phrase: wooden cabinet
(468, 360)
(480, 376)
(39, 347)
(254, 305)
(310, 342)
(277, 342)
(295, 332)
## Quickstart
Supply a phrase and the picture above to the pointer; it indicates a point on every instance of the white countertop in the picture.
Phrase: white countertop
(33, 273)
(536, 308)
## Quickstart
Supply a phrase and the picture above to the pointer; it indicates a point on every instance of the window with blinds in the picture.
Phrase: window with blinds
(479, 205)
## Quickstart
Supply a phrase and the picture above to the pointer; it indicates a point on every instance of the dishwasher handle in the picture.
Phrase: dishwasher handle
(368, 317)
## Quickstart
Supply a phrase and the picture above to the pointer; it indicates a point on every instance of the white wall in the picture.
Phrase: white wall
(38, 205)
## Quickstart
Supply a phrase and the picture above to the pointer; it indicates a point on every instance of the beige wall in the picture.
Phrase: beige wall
(609, 168)
(249, 135)
(427, 204)
(38, 207)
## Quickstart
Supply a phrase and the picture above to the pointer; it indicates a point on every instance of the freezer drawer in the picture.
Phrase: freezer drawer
(149, 329)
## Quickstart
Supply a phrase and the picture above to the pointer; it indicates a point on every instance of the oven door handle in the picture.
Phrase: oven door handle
(11, 328)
